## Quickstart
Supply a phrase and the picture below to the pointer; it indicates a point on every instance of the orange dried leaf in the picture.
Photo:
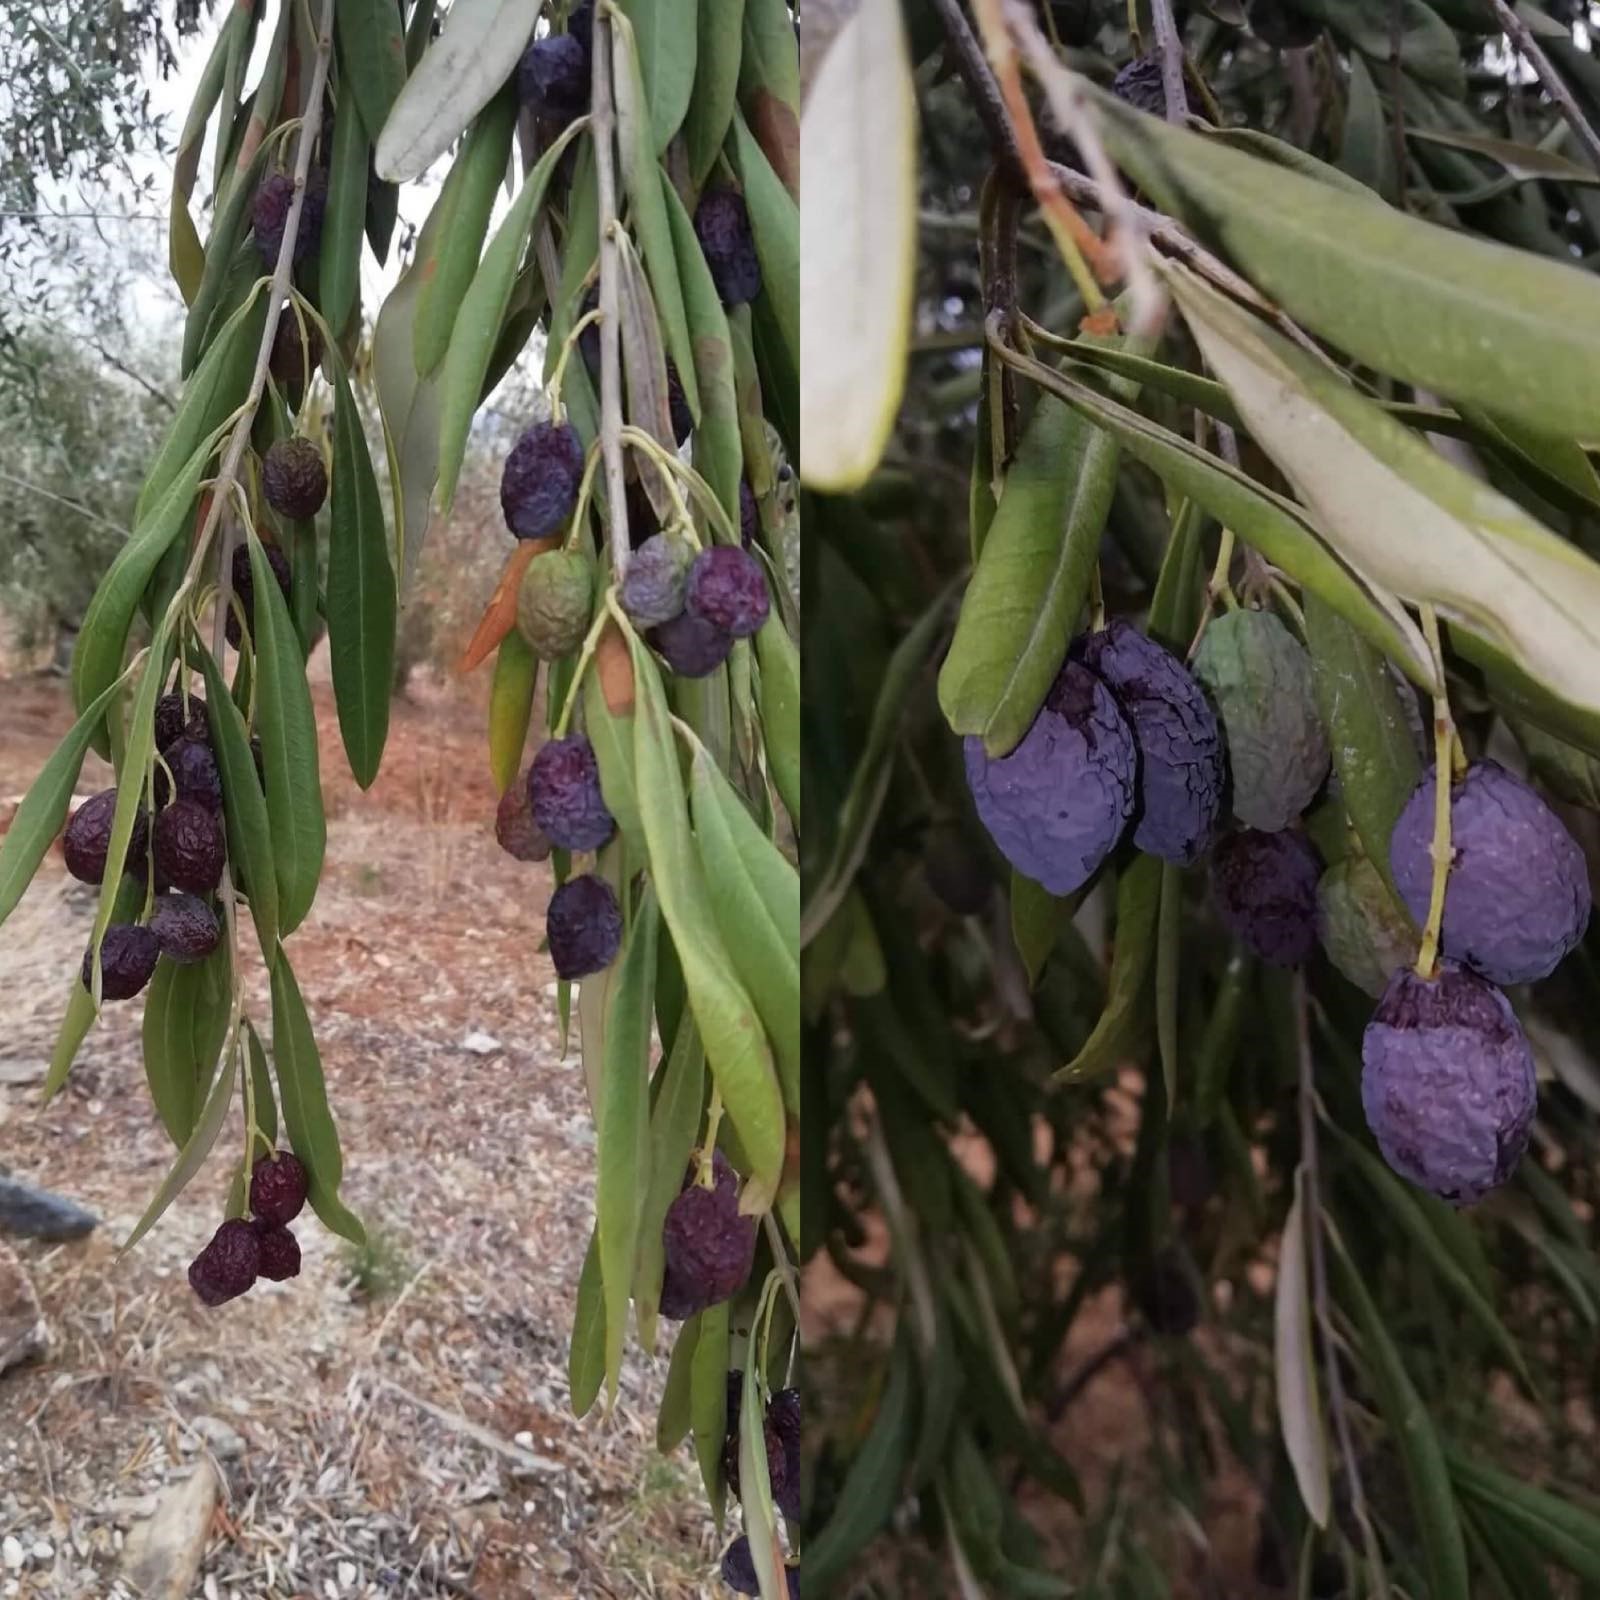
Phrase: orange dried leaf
(614, 662)
(1100, 323)
(500, 617)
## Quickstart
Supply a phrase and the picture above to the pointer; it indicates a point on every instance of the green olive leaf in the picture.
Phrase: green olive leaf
(666, 34)
(288, 732)
(304, 1093)
(1374, 750)
(718, 447)
(1445, 310)
(1123, 1021)
(244, 806)
(345, 219)
(1420, 526)
(679, 1097)
(1305, 1439)
(38, 820)
(623, 1168)
(516, 675)
(586, 1356)
(361, 594)
(483, 309)
(186, 1015)
(464, 205)
(720, 25)
(735, 1042)
(708, 1402)
(641, 178)
(371, 42)
(757, 907)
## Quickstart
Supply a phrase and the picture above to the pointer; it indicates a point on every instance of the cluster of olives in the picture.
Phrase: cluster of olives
(260, 1246)
(1129, 740)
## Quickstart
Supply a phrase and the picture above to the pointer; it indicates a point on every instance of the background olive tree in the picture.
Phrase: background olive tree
(1143, 1090)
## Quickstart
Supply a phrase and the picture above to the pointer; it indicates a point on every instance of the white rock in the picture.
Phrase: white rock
(347, 1574)
(525, 1439)
(43, 1551)
(479, 1043)
(11, 1555)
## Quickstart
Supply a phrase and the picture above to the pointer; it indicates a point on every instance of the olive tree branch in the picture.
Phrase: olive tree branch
(1550, 80)
(1170, 49)
(603, 126)
(277, 292)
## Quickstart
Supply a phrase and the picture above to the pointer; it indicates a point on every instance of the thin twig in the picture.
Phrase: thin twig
(1170, 49)
(1320, 1299)
(62, 500)
(111, 359)
(985, 92)
(1068, 108)
(603, 127)
(1552, 82)
(1085, 253)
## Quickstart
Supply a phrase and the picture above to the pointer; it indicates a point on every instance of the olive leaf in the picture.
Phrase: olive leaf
(757, 906)
(1122, 1022)
(708, 1402)
(1448, 311)
(1275, 525)
(871, 1488)
(718, 449)
(266, 1104)
(1418, 524)
(196, 1147)
(1305, 1439)
(735, 1042)
(640, 176)
(516, 674)
(665, 36)
(457, 76)
(97, 658)
(720, 26)
(228, 234)
(79, 1016)
(586, 1353)
(672, 1419)
(244, 806)
(1374, 749)
(345, 218)
(1368, 151)
(780, 710)
(679, 1095)
(306, 1115)
(361, 594)
(186, 1016)
(1427, 1477)
(1031, 581)
(755, 1487)
(624, 1144)
(288, 732)
(859, 251)
(463, 209)
(411, 410)
(185, 255)
(775, 222)
(371, 42)
(483, 309)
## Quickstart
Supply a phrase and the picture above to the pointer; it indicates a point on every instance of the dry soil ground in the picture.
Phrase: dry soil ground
(389, 1425)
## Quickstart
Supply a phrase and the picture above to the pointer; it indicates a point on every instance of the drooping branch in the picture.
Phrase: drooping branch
(277, 293)
(1169, 47)
(603, 128)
